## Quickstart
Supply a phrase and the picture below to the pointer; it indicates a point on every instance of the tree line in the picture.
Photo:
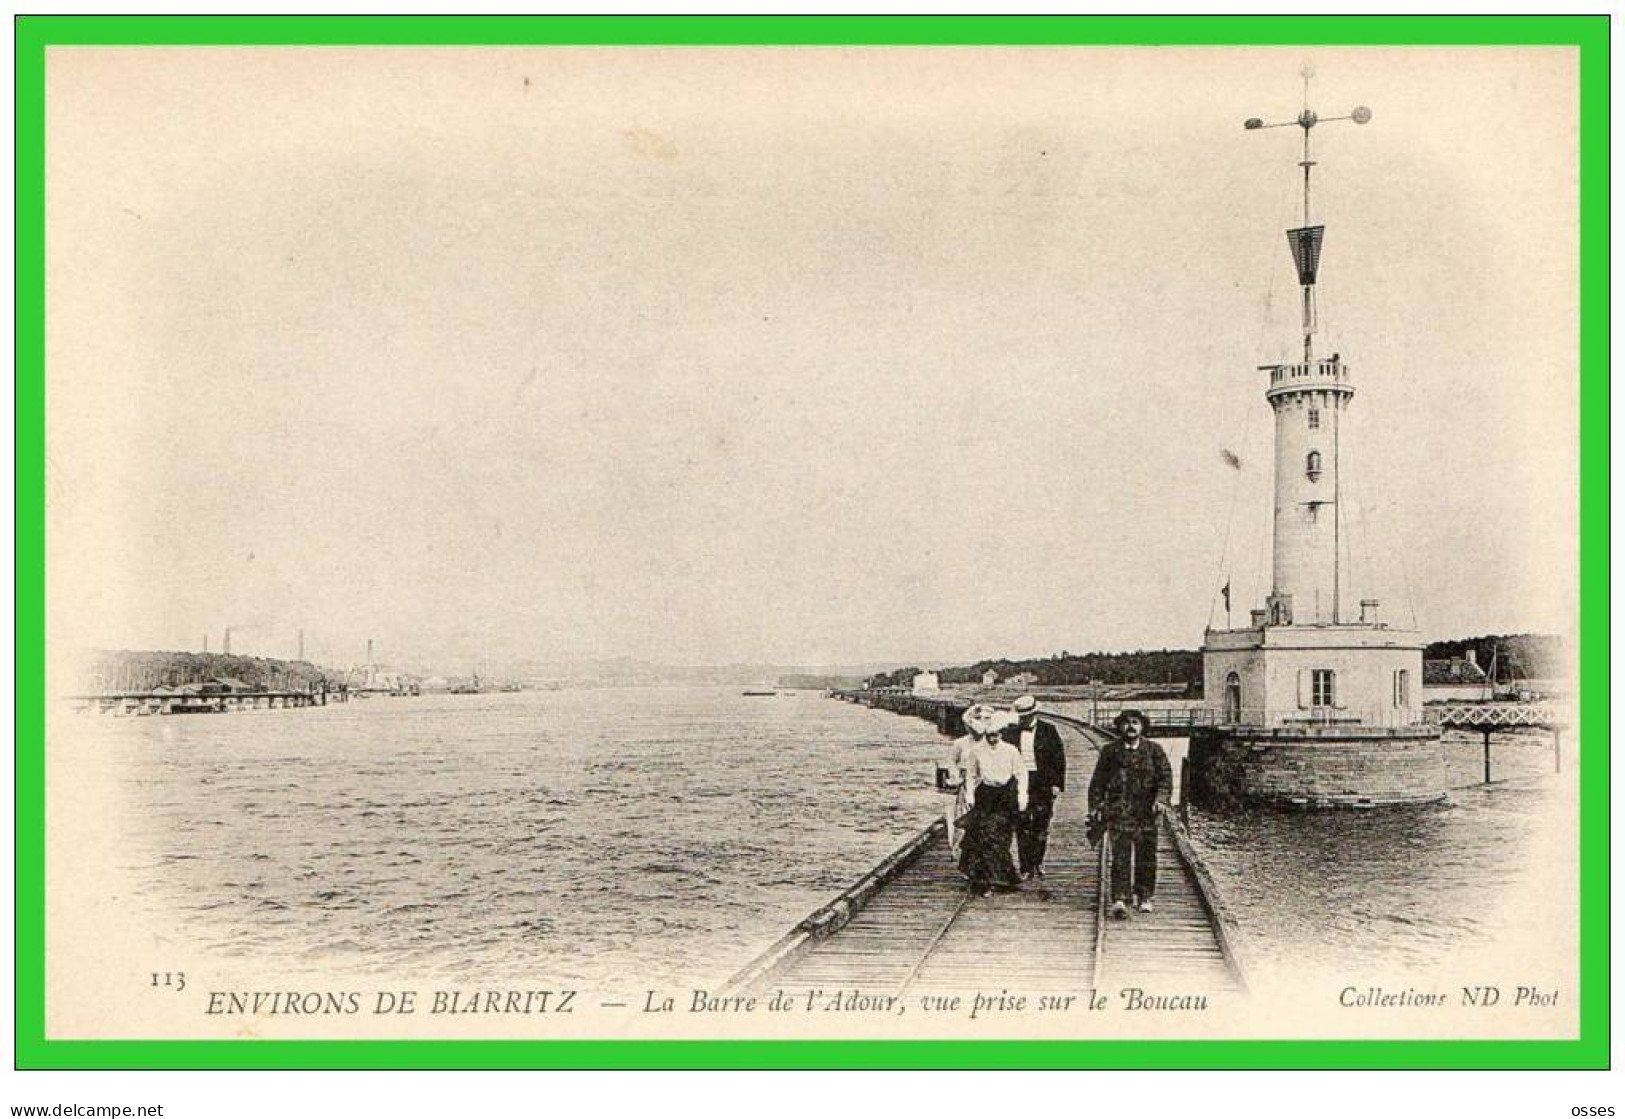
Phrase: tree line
(125, 670)
(1516, 656)
(1143, 666)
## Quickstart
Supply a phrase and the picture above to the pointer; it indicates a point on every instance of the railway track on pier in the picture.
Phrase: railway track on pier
(911, 927)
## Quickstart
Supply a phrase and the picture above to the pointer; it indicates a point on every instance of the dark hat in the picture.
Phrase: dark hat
(1131, 713)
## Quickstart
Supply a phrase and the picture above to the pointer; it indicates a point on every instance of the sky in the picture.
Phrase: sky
(795, 356)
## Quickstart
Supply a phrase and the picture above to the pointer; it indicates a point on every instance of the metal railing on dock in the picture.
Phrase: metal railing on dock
(1493, 716)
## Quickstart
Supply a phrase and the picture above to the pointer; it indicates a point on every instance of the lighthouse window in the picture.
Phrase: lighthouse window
(1402, 687)
(1323, 691)
(1314, 418)
(1312, 466)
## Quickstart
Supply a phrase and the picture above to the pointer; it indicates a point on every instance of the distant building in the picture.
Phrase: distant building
(1022, 680)
(218, 685)
(926, 683)
(989, 678)
(376, 678)
(1454, 679)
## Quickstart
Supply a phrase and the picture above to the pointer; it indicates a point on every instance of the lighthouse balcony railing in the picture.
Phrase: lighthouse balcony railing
(1322, 717)
(1323, 370)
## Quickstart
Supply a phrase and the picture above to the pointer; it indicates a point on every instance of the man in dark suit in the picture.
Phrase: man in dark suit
(1131, 783)
(1041, 749)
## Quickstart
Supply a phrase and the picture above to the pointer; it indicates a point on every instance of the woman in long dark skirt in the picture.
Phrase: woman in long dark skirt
(996, 790)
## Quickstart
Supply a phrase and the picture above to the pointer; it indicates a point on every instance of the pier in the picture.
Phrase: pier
(946, 711)
(910, 925)
(197, 703)
(1487, 718)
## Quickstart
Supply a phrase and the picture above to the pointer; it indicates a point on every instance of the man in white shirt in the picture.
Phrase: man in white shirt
(1045, 759)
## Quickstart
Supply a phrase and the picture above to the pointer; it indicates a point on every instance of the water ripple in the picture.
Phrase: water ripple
(661, 832)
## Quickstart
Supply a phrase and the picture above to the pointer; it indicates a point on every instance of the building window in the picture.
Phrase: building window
(1323, 687)
(1232, 698)
(1314, 418)
(1402, 687)
(1312, 466)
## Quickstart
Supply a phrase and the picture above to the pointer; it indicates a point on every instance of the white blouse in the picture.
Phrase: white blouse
(996, 764)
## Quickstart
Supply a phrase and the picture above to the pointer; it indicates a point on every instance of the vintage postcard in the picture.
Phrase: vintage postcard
(677, 542)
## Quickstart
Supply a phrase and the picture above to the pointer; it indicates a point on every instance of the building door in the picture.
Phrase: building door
(1232, 698)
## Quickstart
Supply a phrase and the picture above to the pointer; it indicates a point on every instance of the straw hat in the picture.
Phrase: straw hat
(983, 718)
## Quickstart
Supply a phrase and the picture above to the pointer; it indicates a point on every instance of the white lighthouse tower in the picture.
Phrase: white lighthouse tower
(1312, 703)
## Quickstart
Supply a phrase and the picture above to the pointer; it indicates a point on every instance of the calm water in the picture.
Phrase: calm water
(668, 834)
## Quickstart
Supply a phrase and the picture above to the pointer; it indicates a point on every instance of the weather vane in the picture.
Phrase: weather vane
(1306, 240)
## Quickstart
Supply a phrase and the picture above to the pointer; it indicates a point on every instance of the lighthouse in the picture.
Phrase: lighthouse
(1313, 703)
(1309, 401)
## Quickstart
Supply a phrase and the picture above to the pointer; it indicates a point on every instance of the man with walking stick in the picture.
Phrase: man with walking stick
(1131, 783)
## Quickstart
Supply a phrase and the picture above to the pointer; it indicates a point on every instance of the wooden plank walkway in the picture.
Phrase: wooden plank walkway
(921, 931)
(1176, 946)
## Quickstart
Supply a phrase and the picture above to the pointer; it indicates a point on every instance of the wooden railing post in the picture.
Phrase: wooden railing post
(1184, 790)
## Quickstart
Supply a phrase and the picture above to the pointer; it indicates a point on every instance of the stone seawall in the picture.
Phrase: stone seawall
(1351, 768)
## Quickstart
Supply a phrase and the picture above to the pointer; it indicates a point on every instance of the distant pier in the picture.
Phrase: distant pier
(948, 711)
(197, 703)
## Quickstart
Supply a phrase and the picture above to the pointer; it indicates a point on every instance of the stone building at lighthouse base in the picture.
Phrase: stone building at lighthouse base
(1318, 715)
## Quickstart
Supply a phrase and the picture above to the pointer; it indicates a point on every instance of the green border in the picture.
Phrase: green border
(35, 33)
